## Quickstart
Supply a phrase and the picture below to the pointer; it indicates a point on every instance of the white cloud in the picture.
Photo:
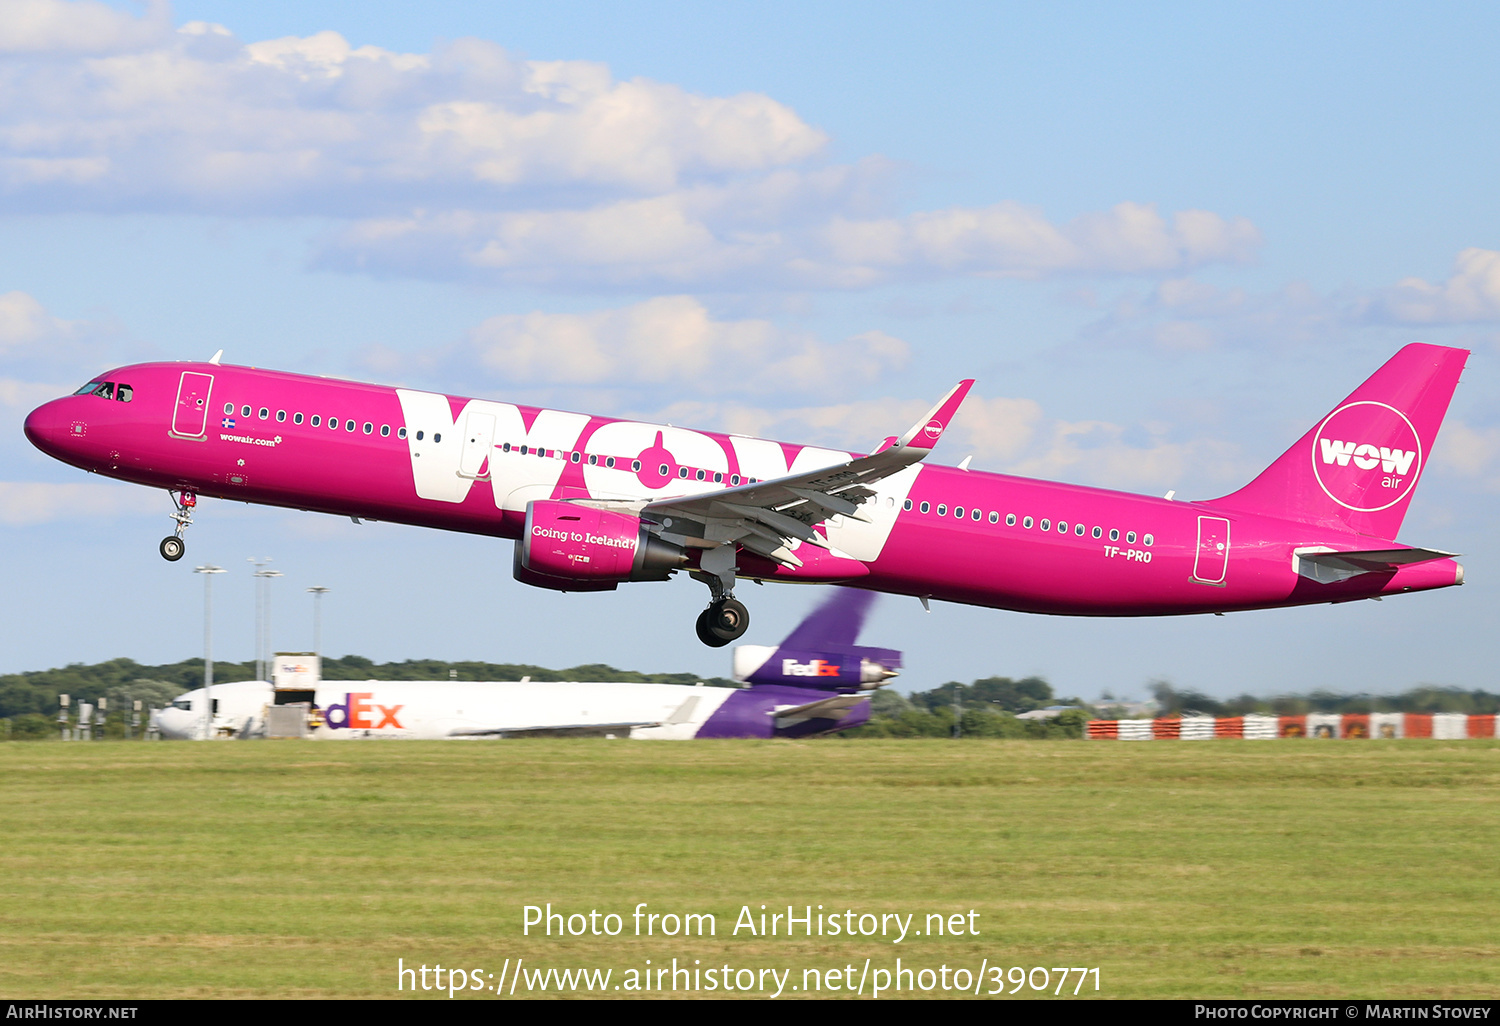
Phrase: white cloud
(86, 27)
(1007, 435)
(704, 237)
(467, 162)
(38, 343)
(23, 503)
(1471, 294)
(1012, 239)
(672, 342)
(1469, 452)
(199, 121)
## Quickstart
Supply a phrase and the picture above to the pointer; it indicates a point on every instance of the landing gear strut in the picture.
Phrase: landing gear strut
(725, 619)
(172, 547)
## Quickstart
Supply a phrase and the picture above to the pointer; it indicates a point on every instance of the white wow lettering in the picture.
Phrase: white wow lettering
(1366, 456)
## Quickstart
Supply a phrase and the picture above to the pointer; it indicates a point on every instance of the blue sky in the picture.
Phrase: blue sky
(1165, 241)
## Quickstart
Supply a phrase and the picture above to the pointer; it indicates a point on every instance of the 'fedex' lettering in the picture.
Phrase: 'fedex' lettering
(1366, 456)
(815, 668)
(355, 713)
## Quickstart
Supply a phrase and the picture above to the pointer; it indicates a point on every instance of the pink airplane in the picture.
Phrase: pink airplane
(594, 502)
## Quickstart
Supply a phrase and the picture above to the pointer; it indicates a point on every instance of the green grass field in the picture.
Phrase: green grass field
(1213, 869)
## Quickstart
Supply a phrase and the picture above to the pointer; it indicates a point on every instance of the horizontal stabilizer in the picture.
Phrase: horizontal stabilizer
(835, 708)
(1329, 567)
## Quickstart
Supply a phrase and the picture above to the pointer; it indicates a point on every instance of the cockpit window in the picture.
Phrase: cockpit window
(183, 702)
(107, 390)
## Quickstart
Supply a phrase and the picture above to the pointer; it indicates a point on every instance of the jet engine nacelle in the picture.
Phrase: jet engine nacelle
(571, 547)
(849, 667)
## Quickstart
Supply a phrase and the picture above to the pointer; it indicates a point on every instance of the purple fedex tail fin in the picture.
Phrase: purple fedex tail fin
(1358, 467)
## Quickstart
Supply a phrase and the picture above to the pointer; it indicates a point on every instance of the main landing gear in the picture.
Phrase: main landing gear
(725, 619)
(722, 622)
(172, 546)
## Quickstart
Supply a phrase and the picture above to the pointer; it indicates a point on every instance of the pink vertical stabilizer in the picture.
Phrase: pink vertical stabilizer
(1358, 467)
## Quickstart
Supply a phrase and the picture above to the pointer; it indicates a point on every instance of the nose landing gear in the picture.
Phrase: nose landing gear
(172, 547)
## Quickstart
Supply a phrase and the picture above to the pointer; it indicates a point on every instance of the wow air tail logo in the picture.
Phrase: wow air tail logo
(1366, 456)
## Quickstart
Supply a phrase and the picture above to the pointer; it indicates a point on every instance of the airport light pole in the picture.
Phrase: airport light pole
(208, 647)
(263, 616)
(318, 591)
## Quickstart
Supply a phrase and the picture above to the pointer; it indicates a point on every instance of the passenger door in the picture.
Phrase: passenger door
(1212, 562)
(190, 417)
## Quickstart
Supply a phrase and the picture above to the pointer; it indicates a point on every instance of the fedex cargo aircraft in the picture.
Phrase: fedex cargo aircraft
(595, 502)
(816, 681)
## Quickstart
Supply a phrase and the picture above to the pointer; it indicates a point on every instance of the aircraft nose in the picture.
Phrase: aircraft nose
(48, 427)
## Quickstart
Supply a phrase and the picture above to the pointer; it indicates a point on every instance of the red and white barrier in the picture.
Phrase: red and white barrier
(1443, 726)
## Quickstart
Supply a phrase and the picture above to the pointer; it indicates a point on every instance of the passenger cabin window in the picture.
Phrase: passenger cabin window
(1149, 541)
(244, 411)
(1027, 523)
(316, 421)
(926, 507)
(280, 416)
(1010, 520)
(385, 431)
(1114, 534)
(296, 418)
(942, 509)
(228, 409)
(369, 428)
(264, 413)
(994, 517)
(401, 432)
(1078, 529)
(1098, 532)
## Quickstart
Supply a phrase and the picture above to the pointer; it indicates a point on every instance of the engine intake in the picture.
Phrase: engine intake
(571, 547)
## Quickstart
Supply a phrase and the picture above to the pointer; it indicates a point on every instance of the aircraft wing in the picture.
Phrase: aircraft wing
(766, 516)
(1328, 567)
(555, 730)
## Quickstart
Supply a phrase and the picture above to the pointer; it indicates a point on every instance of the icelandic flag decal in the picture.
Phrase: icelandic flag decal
(227, 422)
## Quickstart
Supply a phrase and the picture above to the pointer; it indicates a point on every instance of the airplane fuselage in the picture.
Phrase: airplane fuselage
(473, 465)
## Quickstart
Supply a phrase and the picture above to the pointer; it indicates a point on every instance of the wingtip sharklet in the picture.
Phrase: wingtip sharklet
(924, 434)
